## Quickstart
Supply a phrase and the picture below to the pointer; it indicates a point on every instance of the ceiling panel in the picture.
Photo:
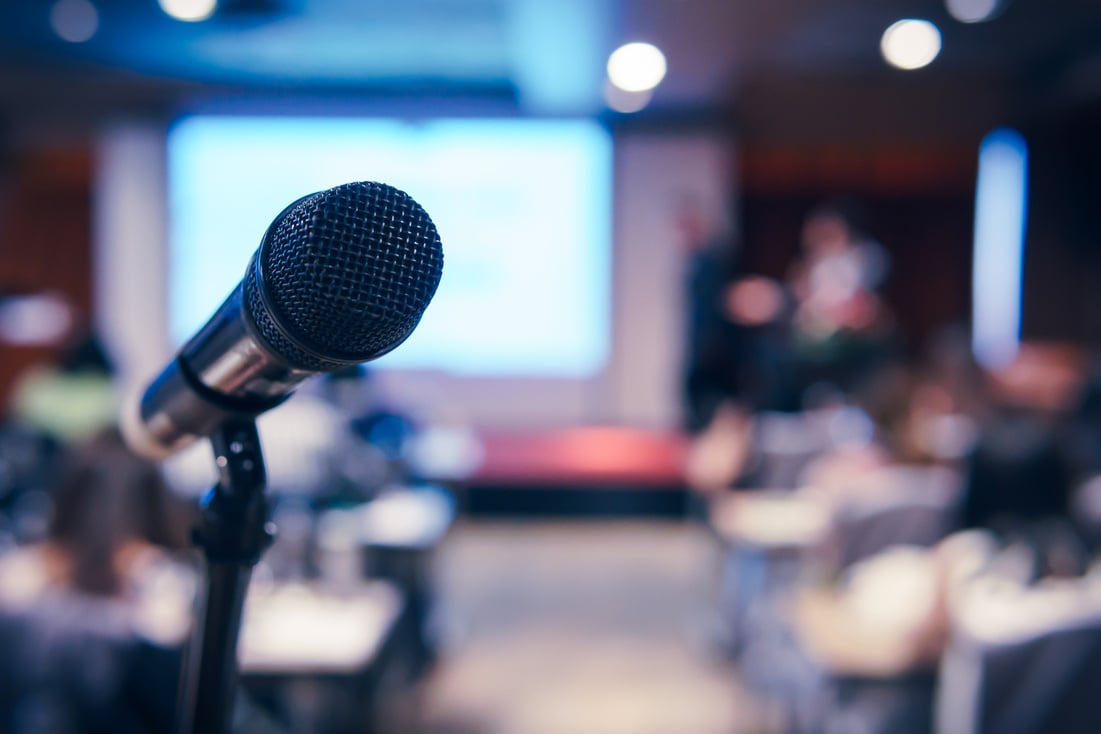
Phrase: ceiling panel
(547, 54)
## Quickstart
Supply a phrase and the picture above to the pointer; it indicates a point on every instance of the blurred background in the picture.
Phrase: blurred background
(760, 393)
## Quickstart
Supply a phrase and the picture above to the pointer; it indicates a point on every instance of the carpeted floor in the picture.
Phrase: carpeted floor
(580, 628)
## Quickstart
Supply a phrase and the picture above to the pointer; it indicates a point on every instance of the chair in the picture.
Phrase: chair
(904, 506)
(1023, 660)
(784, 444)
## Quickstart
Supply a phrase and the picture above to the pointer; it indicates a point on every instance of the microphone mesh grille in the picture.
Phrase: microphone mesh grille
(347, 274)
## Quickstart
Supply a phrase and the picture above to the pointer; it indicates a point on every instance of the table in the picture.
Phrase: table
(323, 660)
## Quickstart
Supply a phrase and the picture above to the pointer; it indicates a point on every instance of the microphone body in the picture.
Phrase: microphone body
(340, 277)
(224, 371)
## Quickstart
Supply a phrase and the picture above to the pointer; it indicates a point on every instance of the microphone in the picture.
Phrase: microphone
(340, 277)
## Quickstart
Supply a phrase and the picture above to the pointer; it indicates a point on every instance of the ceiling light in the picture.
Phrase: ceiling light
(974, 11)
(910, 44)
(636, 67)
(74, 21)
(626, 102)
(189, 10)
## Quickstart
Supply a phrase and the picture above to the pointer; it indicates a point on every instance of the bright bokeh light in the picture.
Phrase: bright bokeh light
(973, 11)
(636, 67)
(910, 43)
(1001, 203)
(189, 10)
(626, 102)
(74, 21)
(34, 320)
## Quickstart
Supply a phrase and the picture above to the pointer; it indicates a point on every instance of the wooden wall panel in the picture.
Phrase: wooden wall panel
(918, 202)
(45, 240)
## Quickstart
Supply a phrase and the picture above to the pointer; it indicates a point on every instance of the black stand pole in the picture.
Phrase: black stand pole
(233, 533)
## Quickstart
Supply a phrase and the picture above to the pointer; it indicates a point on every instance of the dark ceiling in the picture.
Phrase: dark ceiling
(535, 56)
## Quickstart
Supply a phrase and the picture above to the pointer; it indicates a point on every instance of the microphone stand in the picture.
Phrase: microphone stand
(233, 533)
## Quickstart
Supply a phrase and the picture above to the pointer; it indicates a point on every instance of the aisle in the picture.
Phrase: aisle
(580, 628)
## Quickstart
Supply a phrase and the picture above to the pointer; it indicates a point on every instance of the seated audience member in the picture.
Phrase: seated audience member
(1021, 475)
(92, 620)
(71, 399)
(889, 617)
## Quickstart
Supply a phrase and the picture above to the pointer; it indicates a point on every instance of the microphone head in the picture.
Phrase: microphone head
(343, 276)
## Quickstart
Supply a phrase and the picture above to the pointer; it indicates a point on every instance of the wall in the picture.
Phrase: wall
(655, 175)
(130, 241)
(45, 209)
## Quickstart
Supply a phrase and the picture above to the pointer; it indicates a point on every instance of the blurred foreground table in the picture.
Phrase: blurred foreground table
(1023, 657)
(322, 660)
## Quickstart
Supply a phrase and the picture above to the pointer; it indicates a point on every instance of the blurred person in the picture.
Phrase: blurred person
(816, 335)
(27, 465)
(92, 621)
(951, 363)
(1085, 451)
(72, 398)
(1015, 489)
(717, 398)
(802, 344)
(712, 343)
(840, 326)
(762, 309)
(50, 406)
(1021, 476)
(919, 416)
(380, 432)
(944, 403)
(1086, 422)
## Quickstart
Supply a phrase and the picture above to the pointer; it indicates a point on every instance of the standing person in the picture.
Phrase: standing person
(841, 328)
(712, 342)
(719, 376)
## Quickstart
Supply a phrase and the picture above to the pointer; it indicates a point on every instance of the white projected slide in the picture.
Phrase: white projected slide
(523, 208)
